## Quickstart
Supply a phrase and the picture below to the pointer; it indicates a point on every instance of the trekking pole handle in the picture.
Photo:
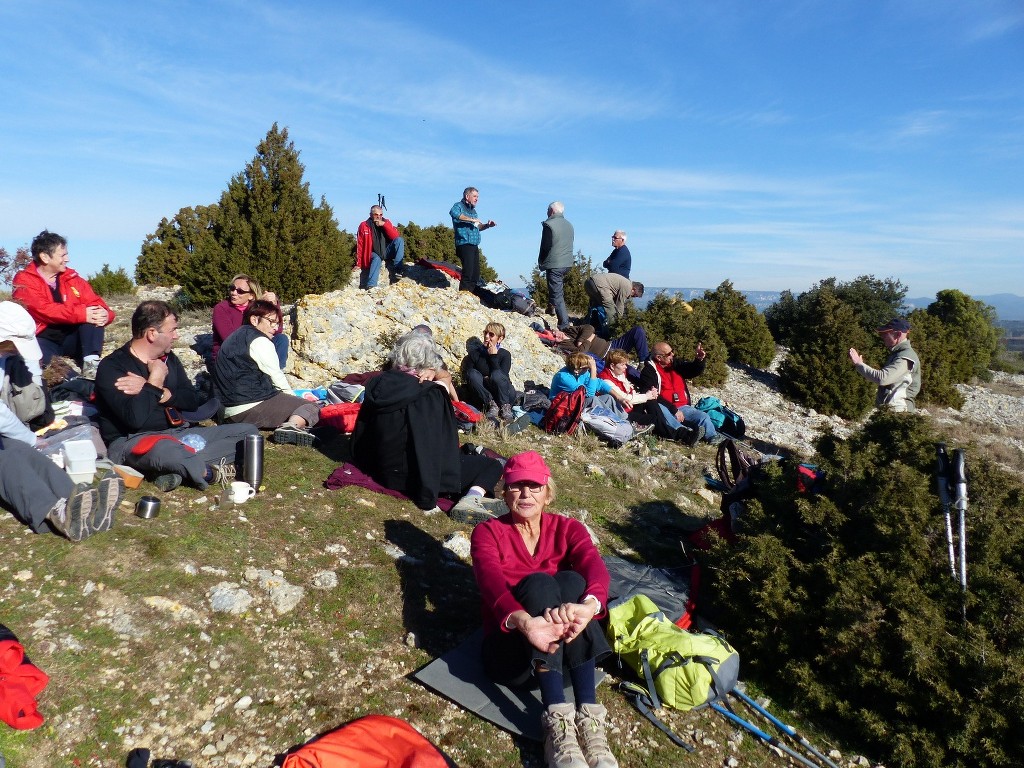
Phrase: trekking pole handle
(942, 473)
(958, 476)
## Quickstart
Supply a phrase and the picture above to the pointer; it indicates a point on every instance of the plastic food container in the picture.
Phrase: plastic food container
(79, 460)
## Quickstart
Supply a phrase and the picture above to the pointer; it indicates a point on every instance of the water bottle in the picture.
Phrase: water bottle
(252, 461)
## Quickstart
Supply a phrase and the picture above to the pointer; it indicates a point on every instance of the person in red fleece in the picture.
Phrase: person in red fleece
(378, 241)
(542, 582)
(69, 316)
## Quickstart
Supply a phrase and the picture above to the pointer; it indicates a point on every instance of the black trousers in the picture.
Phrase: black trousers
(509, 658)
(469, 257)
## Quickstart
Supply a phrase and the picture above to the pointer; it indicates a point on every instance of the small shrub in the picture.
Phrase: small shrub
(740, 327)
(668, 319)
(109, 282)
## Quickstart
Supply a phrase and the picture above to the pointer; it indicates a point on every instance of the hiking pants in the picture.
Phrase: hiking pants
(469, 256)
(86, 339)
(30, 483)
(495, 387)
(556, 294)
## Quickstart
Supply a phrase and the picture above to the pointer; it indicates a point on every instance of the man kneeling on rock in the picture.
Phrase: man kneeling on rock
(142, 390)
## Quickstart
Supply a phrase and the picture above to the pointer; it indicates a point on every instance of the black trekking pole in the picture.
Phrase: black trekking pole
(942, 481)
(958, 478)
(786, 729)
(766, 738)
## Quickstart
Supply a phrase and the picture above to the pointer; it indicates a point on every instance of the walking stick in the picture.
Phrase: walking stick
(766, 738)
(958, 478)
(942, 480)
(786, 729)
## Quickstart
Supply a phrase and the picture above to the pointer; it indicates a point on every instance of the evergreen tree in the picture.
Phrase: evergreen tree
(740, 326)
(817, 372)
(270, 228)
(682, 325)
(971, 325)
(108, 282)
(177, 246)
(939, 357)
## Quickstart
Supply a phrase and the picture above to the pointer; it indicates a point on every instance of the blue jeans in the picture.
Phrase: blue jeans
(393, 258)
(635, 339)
(281, 344)
(556, 294)
(85, 340)
(692, 418)
(368, 276)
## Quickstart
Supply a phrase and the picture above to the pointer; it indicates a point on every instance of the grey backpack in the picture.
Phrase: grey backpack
(18, 391)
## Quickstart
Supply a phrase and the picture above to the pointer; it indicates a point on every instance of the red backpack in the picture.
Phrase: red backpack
(565, 411)
(374, 741)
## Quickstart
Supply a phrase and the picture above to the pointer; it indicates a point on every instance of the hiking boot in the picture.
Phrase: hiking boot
(690, 435)
(717, 439)
(506, 413)
(477, 509)
(493, 411)
(70, 517)
(561, 749)
(89, 368)
(222, 472)
(518, 424)
(639, 430)
(108, 496)
(293, 434)
(167, 482)
(590, 730)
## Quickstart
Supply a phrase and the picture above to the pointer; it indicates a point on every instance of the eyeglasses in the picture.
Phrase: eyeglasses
(616, 238)
(664, 354)
(524, 486)
(269, 319)
(236, 289)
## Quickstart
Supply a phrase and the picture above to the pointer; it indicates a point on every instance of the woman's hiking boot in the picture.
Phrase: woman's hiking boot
(477, 509)
(293, 434)
(71, 516)
(591, 722)
(561, 749)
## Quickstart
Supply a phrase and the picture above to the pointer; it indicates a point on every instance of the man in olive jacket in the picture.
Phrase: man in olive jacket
(556, 257)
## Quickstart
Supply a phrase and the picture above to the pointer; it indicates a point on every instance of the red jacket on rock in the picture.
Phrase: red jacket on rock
(364, 241)
(31, 290)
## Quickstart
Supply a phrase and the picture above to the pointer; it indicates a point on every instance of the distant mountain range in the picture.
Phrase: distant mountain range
(1009, 307)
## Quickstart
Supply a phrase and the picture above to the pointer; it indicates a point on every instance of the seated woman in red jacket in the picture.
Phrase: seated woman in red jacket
(69, 316)
(227, 315)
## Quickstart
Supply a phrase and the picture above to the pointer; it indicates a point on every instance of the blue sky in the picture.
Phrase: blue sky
(771, 143)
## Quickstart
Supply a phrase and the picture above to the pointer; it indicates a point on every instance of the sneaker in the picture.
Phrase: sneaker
(561, 749)
(590, 729)
(506, 413)
(223, 472)
(109, 496)
(71, 516)
(292, 434)
(477, 509)
(167, 482)
(89, 368)
(639, 430)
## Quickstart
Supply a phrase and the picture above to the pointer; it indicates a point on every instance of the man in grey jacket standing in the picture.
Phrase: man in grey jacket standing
(556, 258)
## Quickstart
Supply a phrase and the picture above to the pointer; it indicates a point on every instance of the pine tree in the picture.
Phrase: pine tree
(179, 246)
(740, 326)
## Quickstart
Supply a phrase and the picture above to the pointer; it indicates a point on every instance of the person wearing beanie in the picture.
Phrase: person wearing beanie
(542, 583)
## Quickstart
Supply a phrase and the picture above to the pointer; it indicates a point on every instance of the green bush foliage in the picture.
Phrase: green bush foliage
(741, 327)
(265, 225)
(817, 372)
(108, 282)
(576, 299)
(972, 330)
(843, 605)
(874, 302)
(938, 352)
(668, 319)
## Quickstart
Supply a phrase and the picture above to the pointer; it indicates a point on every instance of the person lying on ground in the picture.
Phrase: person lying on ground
(487, 368)
(584, 338)
(141, 390)
(227, 315)
(407, 440)
(250, 385)
(672, 413)
(542, 584)
(69, 316)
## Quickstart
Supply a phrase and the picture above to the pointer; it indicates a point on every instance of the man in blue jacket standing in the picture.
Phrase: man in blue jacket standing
(556, 258)
(619, 261)
(468, 226)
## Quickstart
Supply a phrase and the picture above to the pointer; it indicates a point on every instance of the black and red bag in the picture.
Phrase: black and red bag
(564, 414)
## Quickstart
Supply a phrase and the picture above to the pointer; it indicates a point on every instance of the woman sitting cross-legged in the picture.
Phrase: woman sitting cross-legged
(542, 583)
(249, 382)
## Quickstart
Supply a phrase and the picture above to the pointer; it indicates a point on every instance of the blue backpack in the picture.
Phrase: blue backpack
(725, 419)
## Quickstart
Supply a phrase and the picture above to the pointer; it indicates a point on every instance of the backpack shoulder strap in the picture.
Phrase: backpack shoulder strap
(641, 701)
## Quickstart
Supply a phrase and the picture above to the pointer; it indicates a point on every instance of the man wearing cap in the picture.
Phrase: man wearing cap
(899, 380)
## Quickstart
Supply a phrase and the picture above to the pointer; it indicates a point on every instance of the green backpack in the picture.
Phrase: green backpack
(683, 670)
